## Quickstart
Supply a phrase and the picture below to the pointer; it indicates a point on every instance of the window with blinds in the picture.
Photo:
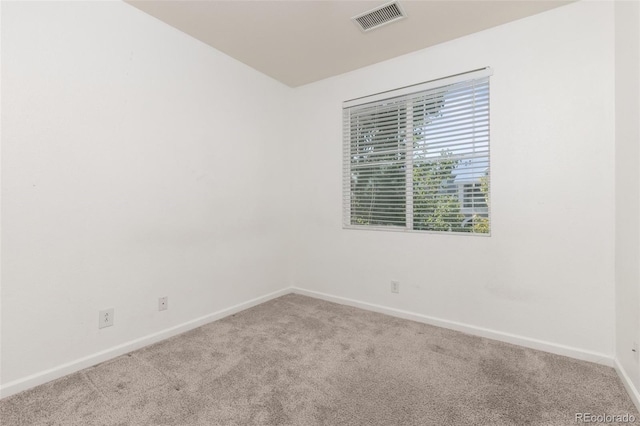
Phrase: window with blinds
(417, 158)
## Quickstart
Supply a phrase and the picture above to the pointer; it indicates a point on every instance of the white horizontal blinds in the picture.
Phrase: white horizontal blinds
(420, 160)
(346, 169)
(376, 164)
(451, 158)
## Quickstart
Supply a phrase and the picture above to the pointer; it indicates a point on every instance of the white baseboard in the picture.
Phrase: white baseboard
(628, 384)
(40, 378)
(541, 345)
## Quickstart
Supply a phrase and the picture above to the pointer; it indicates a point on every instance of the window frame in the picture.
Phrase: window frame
(409, 226)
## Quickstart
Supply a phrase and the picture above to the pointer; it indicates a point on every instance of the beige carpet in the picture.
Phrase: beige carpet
(301, 361)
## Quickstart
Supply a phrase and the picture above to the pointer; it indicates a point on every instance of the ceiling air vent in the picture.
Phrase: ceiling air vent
(382, 15)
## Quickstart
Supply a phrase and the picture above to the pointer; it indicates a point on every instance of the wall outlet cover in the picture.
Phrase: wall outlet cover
(105, 318)
(163, 303)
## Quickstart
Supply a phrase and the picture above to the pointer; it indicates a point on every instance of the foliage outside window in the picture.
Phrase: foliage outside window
(420, 160)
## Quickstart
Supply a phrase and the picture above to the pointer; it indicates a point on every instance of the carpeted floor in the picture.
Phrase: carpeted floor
(297, 360)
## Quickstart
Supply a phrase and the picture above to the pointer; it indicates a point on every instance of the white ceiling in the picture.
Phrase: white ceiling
(299, 42)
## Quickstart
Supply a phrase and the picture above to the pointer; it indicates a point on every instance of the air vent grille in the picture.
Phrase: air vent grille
(385, 14)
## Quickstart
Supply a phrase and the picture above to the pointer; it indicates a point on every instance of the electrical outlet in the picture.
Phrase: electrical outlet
(163, 303)
(105, 318)
(395, 287)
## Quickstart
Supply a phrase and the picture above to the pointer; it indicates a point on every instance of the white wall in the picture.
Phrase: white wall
(136, 163)
(546, 273)
(627, 20)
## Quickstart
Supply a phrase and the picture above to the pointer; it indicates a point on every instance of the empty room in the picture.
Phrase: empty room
(319, 212)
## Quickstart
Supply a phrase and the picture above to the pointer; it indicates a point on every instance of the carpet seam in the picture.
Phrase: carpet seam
(174, 384)
(94, 386)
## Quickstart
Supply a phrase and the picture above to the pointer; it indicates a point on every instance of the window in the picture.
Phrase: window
(418, 158)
